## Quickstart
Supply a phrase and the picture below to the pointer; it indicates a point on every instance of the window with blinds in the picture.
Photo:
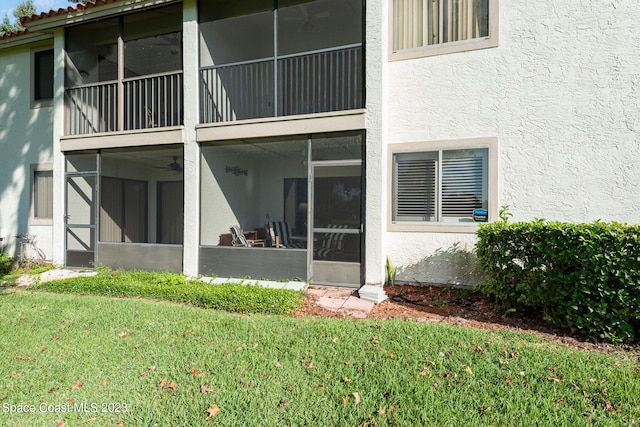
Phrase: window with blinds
(463, 183)
(416, 187)
(440, 186)
(421, 23)
(43, 194)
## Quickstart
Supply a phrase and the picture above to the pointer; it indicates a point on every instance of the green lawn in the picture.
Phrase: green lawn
(162, 363)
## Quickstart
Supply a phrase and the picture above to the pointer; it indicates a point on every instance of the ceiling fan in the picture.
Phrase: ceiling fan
(174, 167)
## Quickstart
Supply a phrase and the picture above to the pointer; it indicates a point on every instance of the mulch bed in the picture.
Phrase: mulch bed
(466, 308)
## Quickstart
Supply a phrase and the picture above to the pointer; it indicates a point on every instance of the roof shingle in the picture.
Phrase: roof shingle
(70, 9)
(14, 34)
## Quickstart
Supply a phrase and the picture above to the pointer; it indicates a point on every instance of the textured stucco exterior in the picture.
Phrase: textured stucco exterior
(375, 163)
(191, 148)
(25, 140)
(561, 93)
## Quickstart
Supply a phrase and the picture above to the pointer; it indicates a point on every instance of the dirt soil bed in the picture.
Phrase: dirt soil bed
(466, 308)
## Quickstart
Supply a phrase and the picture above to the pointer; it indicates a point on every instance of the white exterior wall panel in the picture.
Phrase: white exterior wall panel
(26, 138)
(561, 93)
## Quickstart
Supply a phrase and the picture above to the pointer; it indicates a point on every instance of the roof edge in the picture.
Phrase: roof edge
(96, 9)
(21, 38)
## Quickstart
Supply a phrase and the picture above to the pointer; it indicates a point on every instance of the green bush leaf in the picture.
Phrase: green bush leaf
(579, 275)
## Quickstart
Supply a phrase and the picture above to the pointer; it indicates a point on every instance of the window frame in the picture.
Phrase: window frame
(43, 102)
(34, 169)
(489, 143)
(447, 47)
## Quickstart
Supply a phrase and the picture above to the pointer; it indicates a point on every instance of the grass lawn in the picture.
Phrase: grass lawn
(142, 362)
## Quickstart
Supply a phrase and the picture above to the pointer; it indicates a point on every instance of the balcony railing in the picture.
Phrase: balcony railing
(153, 101)
(148, 102)
(92, 108)
(310, 82)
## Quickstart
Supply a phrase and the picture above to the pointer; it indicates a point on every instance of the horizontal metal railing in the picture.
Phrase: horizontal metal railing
(92, 108)
(321, 81)
(303, 83)
(148, 102)
(153, 101)
(237, 91)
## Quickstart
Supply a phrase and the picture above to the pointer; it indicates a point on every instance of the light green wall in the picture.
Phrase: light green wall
(26, 137)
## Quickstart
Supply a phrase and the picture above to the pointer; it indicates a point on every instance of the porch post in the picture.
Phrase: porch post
(191, 149)
(120, 86)
(58, 238)
(375, 160)
(275, 58)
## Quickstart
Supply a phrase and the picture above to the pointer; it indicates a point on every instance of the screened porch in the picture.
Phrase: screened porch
(125, 73)
(124, 208)
(283, 208)
(261, 60)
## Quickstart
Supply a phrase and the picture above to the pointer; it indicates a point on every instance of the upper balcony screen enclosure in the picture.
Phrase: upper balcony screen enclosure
(261, 61)
(150, 92)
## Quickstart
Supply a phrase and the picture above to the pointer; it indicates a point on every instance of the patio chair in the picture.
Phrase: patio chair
(330, 244)
(238, 238)
(280, 234)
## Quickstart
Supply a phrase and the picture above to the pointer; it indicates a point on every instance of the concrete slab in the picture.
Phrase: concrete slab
(331, 304)
(317, 292)
(372, 293)
(340, 293)
(63, 273)
(295, 286)
(358, 304)
(356, 314)
(265, 284)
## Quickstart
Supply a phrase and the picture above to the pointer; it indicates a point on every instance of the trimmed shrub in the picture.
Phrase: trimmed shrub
(176, 287)
(5, 264)
(584, 276)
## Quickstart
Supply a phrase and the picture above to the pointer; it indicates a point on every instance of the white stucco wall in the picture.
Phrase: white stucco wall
(191, 173)
(561, 93)
(26, 138)
(375, 153)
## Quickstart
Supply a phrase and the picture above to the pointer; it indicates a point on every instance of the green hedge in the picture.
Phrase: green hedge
(584, 276)
(5, 264)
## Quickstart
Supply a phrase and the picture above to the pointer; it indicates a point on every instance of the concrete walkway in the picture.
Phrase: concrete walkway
(342, 301)
(290, 285)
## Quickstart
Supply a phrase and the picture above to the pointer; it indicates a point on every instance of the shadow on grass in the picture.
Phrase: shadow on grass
(4, 286)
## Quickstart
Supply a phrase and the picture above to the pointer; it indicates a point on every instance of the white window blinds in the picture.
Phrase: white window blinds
(43, 194)
(462, 186)
(419, 23)
(416, 187)
(440, 186)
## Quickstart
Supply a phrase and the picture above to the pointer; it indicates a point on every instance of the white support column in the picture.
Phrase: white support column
(191, 148)
(376, 189)
(120, 86)
(58, 157)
